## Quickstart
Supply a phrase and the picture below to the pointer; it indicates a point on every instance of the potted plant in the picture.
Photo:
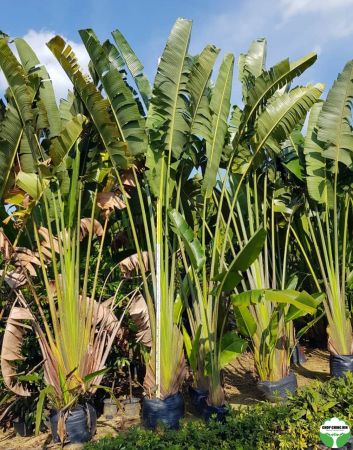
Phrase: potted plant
(131, 404)
(23, 412)
(223, 236)
(75, 332)
(76, 369)
(185, 121)
(266, 303)
(322, 230)
(166, 366)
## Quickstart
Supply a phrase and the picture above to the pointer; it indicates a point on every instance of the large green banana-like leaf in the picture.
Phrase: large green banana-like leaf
(192, 347)
(291, 152)
(316, 180)
(96, 105)
(26, 157)
(114, 57)
(30, 183)
(251, 64)
(168, 102)
(62, 144)
(334, 123)
(10, 137)
(197, 86)
(234, 122)
(122, 101)
(65, 108)
(301, 300)
(134, 65)
(270, 81)
(245, 321)
(231, 346)
(282, 114)
(22, 89)
(192, 244)
(230, 278)
(31, 64)
(220, 107)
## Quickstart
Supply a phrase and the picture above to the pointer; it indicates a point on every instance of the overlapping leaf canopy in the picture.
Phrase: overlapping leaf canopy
(181, 140)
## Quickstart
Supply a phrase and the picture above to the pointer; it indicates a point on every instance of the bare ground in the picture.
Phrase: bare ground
(240, 382)
(240, 388)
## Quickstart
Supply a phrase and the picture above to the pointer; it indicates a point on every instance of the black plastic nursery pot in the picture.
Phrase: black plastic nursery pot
(21, 428)
(81, 423)
(196, 395)
(278, 390)
(218, 413)
(298, 355)
(168, 411)
(200, 406)
(340, 365)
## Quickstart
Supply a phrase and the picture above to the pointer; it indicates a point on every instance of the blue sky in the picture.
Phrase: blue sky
(292, 28)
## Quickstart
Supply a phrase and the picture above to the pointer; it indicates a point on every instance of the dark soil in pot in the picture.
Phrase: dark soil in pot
(168, 411)
(278, 390)
(80, 424)
(340, 365)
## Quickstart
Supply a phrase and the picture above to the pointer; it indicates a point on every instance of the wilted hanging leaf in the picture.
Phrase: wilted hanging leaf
(24, 258)
(86, 227)
(61, 430)
(45, 243)
(11, 348)
(105, 316)
(107, 201)
(17, 196)
(14, 278)
(127, 178)
(131, 264)
(139, 314)
(5, 246)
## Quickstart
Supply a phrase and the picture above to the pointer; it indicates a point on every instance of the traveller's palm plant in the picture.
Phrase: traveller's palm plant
(266, 302)
(74, 331)
(323, 230)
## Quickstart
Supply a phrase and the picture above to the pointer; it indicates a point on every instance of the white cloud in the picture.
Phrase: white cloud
(326, 19)
(294, 7)
(292, 28)
(37, 40)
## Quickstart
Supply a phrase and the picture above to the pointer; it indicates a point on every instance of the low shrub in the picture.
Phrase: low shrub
(293, 425)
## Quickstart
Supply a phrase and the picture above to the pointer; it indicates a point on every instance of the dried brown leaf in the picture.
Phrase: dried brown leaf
(139, 314)
(14, 278)
(109, 201)
(5, 246)
(45, 242)
(131, 264)
(25, 258)
(11, 348)
(85, 226)
(127, 178)
(61, 429)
